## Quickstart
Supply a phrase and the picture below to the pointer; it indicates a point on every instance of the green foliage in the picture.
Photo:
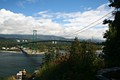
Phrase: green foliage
(80, 65)
(8, 43)
(111, 45)
(5, 43)
(98, 63)
(48, 71)
(75, 47)
(115, 3)
(45, 46)
(8, 78)
(65, 71)
(11, 78)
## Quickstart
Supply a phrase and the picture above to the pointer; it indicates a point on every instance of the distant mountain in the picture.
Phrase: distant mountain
(42, 37)
(2, 38)
(30, 37)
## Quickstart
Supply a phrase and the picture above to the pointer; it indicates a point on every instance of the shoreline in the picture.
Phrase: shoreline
(12, 51)
(18, 52)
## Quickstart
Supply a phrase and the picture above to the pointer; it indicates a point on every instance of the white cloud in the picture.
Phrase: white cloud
(11, 23)
(23, 2)
(59, 23)
(89, 8)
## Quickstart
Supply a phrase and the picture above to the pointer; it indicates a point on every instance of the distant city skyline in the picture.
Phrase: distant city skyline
(64, 18)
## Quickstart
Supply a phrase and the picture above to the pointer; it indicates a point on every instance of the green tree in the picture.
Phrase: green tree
(81, 61)
(79, 65)
(111, 46)
(76, 47)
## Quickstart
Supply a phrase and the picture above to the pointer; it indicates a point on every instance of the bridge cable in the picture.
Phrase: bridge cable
(89, 25)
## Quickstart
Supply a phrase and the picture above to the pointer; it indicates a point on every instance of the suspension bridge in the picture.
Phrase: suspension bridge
(93, 24)
(52, 41)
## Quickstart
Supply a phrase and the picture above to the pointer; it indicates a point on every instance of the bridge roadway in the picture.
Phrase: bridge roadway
(54, 41)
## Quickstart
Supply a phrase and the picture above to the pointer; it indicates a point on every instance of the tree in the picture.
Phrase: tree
(111, 46)
(81, 61)
(76, 47)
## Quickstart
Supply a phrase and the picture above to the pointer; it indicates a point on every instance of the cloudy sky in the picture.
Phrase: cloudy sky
(67, 18)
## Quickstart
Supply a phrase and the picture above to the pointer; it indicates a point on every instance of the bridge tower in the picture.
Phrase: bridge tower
(34, 47)
(34, 35)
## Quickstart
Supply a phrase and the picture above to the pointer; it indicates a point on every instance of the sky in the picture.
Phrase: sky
(66, 18)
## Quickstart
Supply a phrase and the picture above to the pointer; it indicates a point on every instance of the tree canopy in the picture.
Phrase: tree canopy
(111, 45)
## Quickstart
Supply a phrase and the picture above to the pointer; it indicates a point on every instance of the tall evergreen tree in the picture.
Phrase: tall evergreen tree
(112, 43)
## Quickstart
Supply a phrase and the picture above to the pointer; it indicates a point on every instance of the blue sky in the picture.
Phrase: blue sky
(30, 7)
(54, 17)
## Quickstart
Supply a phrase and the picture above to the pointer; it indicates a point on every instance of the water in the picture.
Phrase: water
(11, 63)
